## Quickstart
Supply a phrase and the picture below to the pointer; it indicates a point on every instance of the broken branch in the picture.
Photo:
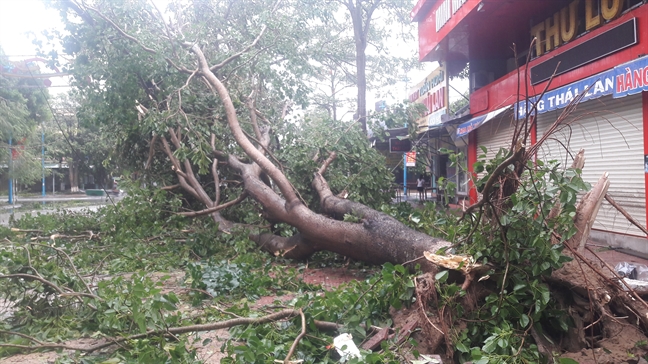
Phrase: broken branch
(294, 344)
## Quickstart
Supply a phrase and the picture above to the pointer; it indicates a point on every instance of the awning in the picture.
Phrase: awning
(474, 123)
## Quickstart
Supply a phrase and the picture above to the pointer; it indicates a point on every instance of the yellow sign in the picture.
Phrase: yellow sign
(433, 93)
(562, 26)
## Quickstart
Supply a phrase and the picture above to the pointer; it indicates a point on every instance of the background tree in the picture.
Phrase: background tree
(366, 31)
(73, 138)
(23, 108)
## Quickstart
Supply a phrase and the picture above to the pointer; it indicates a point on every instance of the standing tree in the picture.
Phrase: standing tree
(365, 30)
(77, 141)
(359, 43)
(23, 107)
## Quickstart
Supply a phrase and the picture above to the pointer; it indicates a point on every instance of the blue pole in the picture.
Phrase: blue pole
(10, 172)
(43, 158)
(405, 176)
(405, 172)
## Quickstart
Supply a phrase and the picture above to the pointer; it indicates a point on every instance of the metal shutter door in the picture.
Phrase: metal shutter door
(611, 132)
(495, 134)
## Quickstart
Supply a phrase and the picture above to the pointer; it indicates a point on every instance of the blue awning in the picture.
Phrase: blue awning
(474, 123)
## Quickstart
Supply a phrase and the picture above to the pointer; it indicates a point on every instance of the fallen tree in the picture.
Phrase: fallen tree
(215, 133)
(249, 153)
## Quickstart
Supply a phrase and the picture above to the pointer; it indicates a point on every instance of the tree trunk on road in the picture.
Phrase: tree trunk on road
(377, 238)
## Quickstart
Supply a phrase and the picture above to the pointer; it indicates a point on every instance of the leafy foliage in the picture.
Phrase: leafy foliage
(142, 235)
(23, 106)
(359, 169)
(523, 247)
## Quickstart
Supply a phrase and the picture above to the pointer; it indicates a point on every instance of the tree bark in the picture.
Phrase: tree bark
(586, 213)
(361, 19)
(377, 238)
(73, 176)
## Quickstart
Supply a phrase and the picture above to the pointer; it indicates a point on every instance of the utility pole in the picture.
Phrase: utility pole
(405, 176)
(43, 156)
(405, 173)
(10, 171)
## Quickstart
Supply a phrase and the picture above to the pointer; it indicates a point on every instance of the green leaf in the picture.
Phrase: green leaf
(524, 320)
(567, 361)
(442, 276)
(490, 345)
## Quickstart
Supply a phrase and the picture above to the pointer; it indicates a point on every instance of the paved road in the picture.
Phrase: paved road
(53, 198)
(6, 214)
(93, 203)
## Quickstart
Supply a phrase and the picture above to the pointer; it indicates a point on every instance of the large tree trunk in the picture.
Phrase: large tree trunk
(361, 19)
(378, 238)
(361, 65)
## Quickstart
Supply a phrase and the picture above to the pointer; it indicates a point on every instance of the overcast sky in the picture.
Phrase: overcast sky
(19, 19)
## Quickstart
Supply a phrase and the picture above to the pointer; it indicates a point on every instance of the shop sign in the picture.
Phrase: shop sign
(399, 146)
(436, 118)
(561, 27)
(431, 92)
(631, 78)
(435, 100)
(410, 159)
(595, 86)
(626, 79)
(434, 79)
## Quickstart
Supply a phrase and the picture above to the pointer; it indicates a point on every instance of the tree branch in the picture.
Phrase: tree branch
(230, 111)
(327, 163)
(215, 208)
(76, 272)
(367, 23)
(136, 41)
(239, 54)
(189, 174)
(493, 177)
(625, 213)
(178, 170)
(253, 117)
(214, 171)
(285, 314)
(301, 335)
(151, 152)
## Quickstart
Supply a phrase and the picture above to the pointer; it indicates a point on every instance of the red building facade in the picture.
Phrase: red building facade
(559, 49)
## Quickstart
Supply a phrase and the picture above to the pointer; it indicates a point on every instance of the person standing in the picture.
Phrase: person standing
(420, 185)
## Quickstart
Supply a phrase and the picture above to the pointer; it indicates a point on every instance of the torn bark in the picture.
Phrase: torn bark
(587, 211)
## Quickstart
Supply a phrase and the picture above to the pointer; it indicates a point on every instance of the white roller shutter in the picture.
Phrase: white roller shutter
(495, 134)
(611, 132)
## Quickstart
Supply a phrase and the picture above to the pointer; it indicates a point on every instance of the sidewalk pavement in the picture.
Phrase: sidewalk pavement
(18, 199)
